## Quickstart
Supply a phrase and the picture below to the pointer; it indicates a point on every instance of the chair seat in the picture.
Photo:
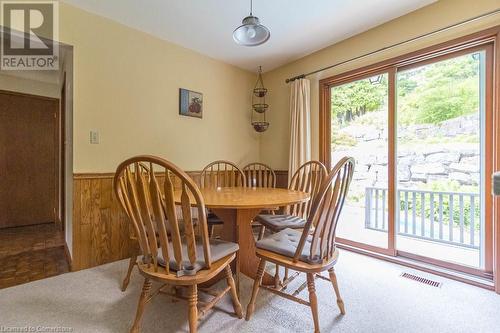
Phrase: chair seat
(218, 250)
(286, 242)
(280, 222)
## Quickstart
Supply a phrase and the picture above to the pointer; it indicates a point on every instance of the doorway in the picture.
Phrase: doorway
(32, 242)
(29, 140)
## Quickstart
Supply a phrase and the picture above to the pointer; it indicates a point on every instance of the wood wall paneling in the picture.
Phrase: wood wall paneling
(100, 228)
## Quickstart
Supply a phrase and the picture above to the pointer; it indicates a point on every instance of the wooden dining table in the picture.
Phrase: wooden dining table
(237, 207)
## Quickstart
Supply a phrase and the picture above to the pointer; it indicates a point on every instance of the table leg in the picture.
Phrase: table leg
(238, 228)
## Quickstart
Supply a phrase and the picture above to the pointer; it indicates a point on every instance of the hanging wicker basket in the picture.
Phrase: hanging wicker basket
(260, 126)
(260, 107)
(260, 92)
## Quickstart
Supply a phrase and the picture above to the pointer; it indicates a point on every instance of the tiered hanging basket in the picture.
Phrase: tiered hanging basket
(259, 105)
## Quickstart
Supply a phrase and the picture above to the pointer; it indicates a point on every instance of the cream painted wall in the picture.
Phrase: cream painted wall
(275, 142)
(126, 86)
(26, 86)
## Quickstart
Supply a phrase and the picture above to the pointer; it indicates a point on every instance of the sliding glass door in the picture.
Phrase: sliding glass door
(421, 132)
(360, 129)
(441, 159)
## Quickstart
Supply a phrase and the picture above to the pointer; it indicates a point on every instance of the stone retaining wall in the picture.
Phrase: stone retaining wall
(419, 162)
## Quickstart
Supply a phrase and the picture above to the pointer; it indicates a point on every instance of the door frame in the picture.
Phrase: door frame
(490, 39)
(62, 157)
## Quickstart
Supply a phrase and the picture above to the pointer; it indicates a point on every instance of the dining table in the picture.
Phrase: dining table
(237, 207)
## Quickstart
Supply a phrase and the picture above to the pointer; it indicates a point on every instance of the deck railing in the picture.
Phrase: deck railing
(445, 217)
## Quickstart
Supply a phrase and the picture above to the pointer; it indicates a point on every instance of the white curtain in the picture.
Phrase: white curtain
(300, 125)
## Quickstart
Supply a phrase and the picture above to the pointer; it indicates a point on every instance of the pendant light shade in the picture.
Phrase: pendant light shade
(251, 32)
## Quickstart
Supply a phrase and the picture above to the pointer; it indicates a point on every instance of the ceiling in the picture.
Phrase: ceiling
(297, 27)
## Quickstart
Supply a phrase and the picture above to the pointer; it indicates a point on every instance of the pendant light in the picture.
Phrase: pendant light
(251, 32)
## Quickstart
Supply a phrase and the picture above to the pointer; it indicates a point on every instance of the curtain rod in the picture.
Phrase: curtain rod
(492, 13)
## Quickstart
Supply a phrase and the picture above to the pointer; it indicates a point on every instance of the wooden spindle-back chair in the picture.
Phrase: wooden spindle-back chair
(134, 254)
(308, 178)
(172, 254)
(313, 250)
(259, 175)
(220, 174)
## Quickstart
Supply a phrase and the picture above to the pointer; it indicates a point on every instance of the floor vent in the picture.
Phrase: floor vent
(421, 280)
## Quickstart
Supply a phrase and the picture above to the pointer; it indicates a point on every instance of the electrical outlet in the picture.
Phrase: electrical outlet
(94, 137)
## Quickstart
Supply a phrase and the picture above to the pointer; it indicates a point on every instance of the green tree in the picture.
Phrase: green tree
(356, 98)
(439, 91)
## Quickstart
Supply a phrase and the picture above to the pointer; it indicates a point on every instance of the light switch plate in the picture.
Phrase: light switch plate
(94, 137)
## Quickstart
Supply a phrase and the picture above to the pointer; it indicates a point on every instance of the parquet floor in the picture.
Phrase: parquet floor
(31, 253)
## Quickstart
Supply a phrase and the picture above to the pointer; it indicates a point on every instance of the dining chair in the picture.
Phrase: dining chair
(180, 258)
(312, 250)
(133, 239)
(308, 178)
(220, 174)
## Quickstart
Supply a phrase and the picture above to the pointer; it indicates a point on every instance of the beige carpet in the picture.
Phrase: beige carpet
(377, 300)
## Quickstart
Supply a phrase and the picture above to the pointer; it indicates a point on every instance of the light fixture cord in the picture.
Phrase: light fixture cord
(251, 7)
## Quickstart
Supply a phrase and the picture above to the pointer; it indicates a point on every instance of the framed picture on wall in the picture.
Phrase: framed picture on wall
(190, 103)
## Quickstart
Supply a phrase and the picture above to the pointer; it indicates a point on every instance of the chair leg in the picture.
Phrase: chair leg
(333, 278)
(211, 229)
(131, 264)
(313, 300)
(234, 294)
(146, 289)
(256, 284)
(277, 277)
(193, 309)
(261, 232)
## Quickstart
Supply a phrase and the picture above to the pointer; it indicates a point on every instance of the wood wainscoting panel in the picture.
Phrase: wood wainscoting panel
(281, 178)
(101, 230)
